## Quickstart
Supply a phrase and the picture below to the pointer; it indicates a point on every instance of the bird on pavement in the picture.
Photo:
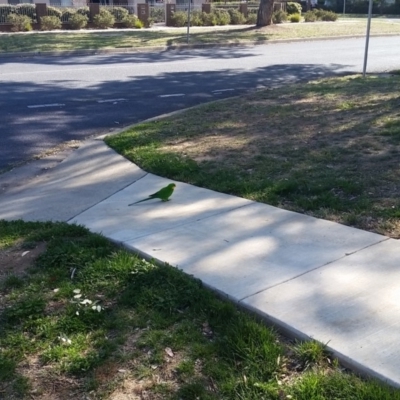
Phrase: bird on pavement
(164, 194)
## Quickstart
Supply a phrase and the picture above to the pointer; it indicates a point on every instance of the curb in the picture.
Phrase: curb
(281, 326)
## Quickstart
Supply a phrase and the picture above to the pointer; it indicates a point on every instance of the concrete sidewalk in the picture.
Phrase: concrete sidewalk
(311, 278)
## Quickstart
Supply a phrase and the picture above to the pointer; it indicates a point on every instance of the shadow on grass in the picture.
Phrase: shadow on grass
(87, 301)
(93, 41)
(275, 147)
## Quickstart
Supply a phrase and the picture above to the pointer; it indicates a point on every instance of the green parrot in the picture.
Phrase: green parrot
(164, 194)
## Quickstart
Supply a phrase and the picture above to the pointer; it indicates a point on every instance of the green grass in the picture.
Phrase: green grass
(311, 353)
(327, 148)
(40, 42)
(153, 329)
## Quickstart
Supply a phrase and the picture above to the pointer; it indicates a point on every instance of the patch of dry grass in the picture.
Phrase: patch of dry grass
(67, 41)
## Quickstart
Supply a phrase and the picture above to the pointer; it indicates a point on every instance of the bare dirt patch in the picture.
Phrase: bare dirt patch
(17, 259)
(133, 387)
(46, 384)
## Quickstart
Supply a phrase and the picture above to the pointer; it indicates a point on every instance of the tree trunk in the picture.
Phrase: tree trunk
(264, 15)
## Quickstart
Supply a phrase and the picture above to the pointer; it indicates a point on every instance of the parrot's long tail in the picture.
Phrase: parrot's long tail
(149, 198)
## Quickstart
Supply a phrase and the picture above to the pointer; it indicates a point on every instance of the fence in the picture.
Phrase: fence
(235, 4)
(185, 6)
(252, 6)
(157, 12)
(119, 11)
(18, 9)
(279, 5)
(243, 8)
(64, 13)
(15, 2)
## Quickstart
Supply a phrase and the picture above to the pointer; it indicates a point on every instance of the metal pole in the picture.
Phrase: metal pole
(188, 25)
(367, 37)
(344, 7)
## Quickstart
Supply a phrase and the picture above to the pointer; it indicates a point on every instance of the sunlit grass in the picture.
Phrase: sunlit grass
(328, 148)
(39, 42)
(157, 332)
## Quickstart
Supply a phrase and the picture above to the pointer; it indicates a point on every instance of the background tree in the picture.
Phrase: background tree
(264, 14)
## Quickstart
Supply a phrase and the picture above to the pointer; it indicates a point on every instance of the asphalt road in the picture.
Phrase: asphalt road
(45, 101)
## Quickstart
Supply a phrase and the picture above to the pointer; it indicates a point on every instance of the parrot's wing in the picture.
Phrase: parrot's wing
(154, 194)
(164, 192)
(159, 193)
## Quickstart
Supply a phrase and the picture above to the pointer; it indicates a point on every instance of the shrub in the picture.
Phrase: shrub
(179, 18)
(210, 19)
(149, 23)
(293, 8)
(294, 17)
(310, 16)
(319, 13)
(237, 18)
(20, 23)
(279, 16)
(5, 11)
(139, 24)
(103, 20)
(119, 13)
(157, 14)
(49, 23)
(78, 21)
(223, 17)
(251, 18)
(67, 13)
(324, 15)
(132, 21)
(84, 11)
(26, 9)
(329, 16)
(196, 18)
(53, 11)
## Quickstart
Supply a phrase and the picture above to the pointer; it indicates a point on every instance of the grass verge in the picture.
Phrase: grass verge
(39, 42)
(328, 148)
(82, 318)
